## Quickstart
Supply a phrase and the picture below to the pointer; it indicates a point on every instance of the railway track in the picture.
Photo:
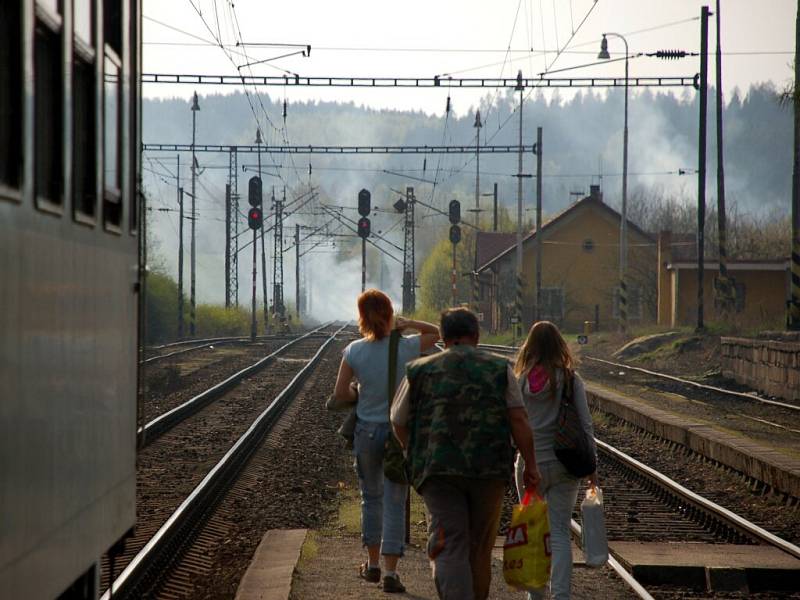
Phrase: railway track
(185, 346)
(182, 473)
(165, 421)
(644, 505)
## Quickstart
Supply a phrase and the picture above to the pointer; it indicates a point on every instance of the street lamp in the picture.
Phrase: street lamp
(623, 230)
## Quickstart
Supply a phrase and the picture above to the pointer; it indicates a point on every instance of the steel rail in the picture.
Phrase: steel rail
(219, 342)
(218, 339)
(149, 565)
(710, 388)
(166, 421)
(731, 518)
(636, 587)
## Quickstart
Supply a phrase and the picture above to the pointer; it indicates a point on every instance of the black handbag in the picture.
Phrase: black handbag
(394, 462)
(571, 443)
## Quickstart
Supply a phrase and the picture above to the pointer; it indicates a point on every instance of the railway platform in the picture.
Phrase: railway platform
(326, 568)
(770, 464)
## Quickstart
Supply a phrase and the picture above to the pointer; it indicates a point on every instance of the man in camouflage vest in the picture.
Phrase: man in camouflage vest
(455, 413)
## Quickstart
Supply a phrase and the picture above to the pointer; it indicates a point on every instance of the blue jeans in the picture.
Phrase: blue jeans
(383, 502)
(560, 490)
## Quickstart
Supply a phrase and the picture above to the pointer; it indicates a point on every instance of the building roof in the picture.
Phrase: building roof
(492, 243)
(589, 201)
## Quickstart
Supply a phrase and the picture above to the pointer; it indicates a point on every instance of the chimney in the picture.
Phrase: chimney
(595, 193)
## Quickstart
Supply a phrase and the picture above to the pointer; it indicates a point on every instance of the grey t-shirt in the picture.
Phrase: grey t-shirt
(370, 363)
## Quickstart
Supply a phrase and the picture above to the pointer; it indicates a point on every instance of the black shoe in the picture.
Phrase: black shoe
(371, 574)
(392, 585)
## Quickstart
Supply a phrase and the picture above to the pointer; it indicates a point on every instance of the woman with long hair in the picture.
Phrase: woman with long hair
(366, 360)
(543, 365)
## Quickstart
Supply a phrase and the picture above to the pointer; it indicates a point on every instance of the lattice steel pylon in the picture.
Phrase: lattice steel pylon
(277, 257)
(232, 231)
(409, 281)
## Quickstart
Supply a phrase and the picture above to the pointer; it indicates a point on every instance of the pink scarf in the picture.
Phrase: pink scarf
(537, 379)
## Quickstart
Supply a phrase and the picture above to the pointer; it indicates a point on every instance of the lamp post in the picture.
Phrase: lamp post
(623, 230)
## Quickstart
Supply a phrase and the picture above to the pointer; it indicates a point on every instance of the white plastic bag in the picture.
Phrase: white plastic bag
(593, 531)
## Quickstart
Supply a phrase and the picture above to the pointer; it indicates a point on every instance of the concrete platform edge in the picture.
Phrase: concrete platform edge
(269, 575)
(762, 463)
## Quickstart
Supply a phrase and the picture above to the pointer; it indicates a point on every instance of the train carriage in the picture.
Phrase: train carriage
(69, 298)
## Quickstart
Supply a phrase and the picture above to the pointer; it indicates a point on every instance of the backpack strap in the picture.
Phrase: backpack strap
(394, 342)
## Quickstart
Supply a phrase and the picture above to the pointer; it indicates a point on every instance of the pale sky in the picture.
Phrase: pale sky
(461, 37)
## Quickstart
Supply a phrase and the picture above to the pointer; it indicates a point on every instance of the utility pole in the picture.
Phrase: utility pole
(539, 241)
(477, 127)
(474, 277)
(494, 208)
(794, 303)
(701, 168)
(516, 320)
(725, 289)
(180, 258)
(297, 271)
(227, 245)
(192, 301)
(409, 291)
(232, 231)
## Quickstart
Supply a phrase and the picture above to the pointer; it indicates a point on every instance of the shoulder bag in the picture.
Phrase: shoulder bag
(571, 445)
(394, 462)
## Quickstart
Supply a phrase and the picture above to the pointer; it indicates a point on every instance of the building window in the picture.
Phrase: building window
(112, 209)
(740, 296)
(10, 99)
(48, 112)
(552, 304)
(588, 245)
(634, 302)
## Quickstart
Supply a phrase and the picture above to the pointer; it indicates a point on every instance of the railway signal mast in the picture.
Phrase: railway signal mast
(255, 219)
(364, 207)
(454, 213)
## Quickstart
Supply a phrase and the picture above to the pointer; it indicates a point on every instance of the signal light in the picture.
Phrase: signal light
(364, 203)
(254, 191)
(363, 227)
(455, 212)
(455, 234)
(254, 218)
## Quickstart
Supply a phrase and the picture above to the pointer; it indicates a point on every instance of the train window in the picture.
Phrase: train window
(112, 210)
(51, 6)
(84, 127)
(48, 115)
(10, 100)
(112, 24)
(83, 13)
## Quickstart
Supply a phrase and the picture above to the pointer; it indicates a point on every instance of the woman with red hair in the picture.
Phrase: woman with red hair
(366, 360)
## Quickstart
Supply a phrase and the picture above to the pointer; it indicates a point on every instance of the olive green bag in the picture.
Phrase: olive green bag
(394, 462)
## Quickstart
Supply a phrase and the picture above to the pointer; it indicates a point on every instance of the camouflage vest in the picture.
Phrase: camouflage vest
(458, 420)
